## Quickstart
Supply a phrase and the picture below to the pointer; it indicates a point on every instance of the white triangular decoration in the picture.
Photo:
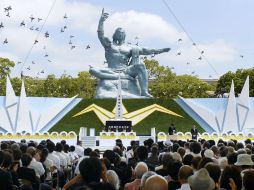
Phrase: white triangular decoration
(10, 98)
(23, 122)
(230, 123)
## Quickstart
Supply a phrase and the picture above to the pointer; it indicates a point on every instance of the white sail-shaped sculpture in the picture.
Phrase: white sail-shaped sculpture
(23, 122)
(11, 105)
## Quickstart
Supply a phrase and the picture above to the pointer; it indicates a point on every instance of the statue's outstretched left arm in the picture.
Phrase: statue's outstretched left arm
(147, 51)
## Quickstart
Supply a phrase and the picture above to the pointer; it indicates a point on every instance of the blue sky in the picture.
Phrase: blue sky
(223, 29)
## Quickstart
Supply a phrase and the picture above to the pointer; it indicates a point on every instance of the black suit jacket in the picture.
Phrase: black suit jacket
(171, 130)
(5, 180)
(194, 133)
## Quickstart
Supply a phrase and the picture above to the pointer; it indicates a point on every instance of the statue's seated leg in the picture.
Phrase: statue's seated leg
(104, 73)
(140, 71)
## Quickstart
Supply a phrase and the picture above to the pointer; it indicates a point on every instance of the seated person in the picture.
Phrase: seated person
(26, 173)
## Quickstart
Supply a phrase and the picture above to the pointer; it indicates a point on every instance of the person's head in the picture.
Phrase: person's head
(140, 169)
(113, 178)
(173, 169)
(26, 159)
(66, 148)
(206, 145)
(181, 151)
(194, 126)
(110, 155)
(31, 150)
(201, 180)
(50, 146)
(204, 161)
(7, 160)
(233, 172)
(175, 147)
(44, 154)
(17, 154)
(166, 158)
(187, 159)
(195, 162)
(214, 171)
(87, 151)
(59, 147)
(154, 150)
(184, 173)
(232, 158)
(72, 148)
(94, 154)
(145, 177)
(223, 151)
(4, 146)
(176, 156)
(119, 36)
(244, 161)
(156, 182)
(90, 169)
(238, 146)
(195, 147)
(209, 153)
(248, 182)
(142, 153)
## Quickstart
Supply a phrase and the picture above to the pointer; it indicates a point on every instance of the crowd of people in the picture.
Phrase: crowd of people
(170, 165)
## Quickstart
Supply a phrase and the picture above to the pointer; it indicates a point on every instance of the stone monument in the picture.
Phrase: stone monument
(123, 60)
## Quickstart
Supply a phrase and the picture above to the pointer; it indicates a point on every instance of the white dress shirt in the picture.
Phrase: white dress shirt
(79, 150)
(48, 164)
(55, 159)
(38, 167)
(63, 161)
(185, 186)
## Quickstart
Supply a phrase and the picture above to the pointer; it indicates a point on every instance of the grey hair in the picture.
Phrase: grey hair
(113, 179)
(140, 169)
(145, 177)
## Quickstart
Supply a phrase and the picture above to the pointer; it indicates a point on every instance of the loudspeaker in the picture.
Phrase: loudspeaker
(97, 143)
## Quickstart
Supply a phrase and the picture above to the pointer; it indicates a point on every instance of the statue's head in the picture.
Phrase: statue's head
(119, 36)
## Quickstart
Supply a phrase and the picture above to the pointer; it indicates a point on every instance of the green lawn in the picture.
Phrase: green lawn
(159, 120)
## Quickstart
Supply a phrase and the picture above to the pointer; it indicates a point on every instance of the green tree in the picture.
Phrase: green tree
(87, 85)
(165, 84)
(5, 67)
(239, 77)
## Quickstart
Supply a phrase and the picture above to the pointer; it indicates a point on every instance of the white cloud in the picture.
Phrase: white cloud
(144, 25)
(82, 22)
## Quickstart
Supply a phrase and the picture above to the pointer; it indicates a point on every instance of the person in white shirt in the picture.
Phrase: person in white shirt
(184, 173)
(52, 156)
(48, 164)
(79, 150)
(62, 157)
(35, 163)
(73, 155)
(86, 153)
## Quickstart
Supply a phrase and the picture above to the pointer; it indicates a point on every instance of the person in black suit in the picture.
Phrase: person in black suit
(5, 176)
(194, 132)
(172, 129)
(26, 173)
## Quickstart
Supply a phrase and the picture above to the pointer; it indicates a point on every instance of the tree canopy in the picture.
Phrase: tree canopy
(239, 77)
(163, 83)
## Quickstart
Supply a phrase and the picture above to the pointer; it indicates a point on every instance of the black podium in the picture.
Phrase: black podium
(118, 126)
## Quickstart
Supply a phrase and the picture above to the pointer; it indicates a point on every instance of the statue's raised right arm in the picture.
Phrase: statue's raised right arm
(100, 30)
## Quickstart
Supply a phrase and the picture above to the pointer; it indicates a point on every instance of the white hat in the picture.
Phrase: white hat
(244, 160)
(201, 180)
(209, 153)
(167, 143)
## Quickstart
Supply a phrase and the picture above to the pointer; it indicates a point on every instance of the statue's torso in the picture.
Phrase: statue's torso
(118, 56)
